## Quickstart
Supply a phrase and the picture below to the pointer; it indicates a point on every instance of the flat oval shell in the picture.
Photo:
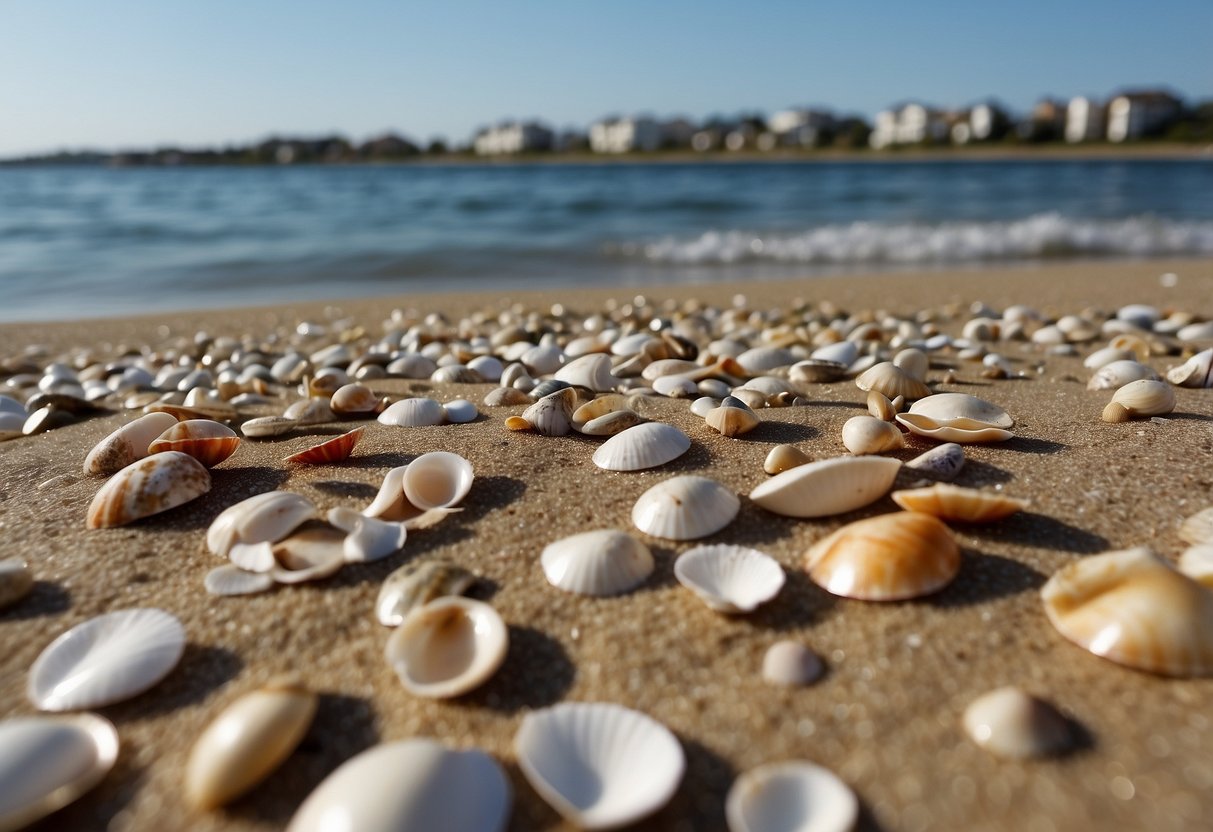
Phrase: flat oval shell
(964, 505)
(641, 447)
(784, 458)
(864, 435)
(421, 412)
(460, 411)
(597, 563)
(791, 664)
(827, 487)
(266, 426)
(417, 583)
(1010, 723)
(439, 479)
(229, 580)
(154, 484)
(448, 647)
(685, 508)
(963, 431)
(944, 407)
(730, 579)
(793, 796)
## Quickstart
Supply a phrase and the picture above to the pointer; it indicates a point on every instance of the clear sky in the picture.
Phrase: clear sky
(142, 73)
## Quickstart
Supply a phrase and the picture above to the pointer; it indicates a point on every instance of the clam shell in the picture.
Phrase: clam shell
(127, 444)
(1010, 723)
(367, 538)
(229, 579)
(599, 765)
(416, 784)
(945, 407)
(334, 450)
(356, 400)
(827, 487)
(817, 371)
(460, 411)
(1197, 563)
(312, 553)
(611, 424)
(685, 508)
(417, 583)
(11, 425)
(590, 371)
(1105, 356)
(942, 462)
(791, 664)
(963, 431)
(732, 421)
(1146, 398)
(151, 485)
(793, 796)
(598, 563)
(1117, 374)
(247, 741)
(311, 412)
(448, 647)
(206, 440)
(880, 407)
(913, 361)
(891, 557)
(263, 518)
(762, 359)
(106, 659)
(783, 458)
(439, 479)
(267, 426)
(16, 581)
(891, 381)
(412, 365)
(840, 352)
(642, 446)
(1134, 609)
(731, 579)
(864, 435)
(1197, 371)
(1198, 529)
(504, 397)
(552, 415)
(964, 505)
(413, 413)
(46, 762)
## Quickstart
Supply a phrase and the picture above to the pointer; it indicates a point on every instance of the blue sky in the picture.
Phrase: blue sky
(139, 73)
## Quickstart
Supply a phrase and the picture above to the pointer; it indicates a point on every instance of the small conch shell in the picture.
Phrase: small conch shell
(417, 583)
(127, 444)
(864, 435)
(448, 647)
(784, 457)
(552, 415)
(334, 450)
(151, 485)
(954, 430)
(891, 381)
(205, 440)
(1015, 725)
(965, 505)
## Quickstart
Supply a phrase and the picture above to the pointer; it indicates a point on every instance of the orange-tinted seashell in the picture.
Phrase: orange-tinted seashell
(205, 440)
(153, 484)
(964, 505)
(334, 450)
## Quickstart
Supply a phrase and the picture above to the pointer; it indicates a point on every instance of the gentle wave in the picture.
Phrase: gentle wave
(1049, 235)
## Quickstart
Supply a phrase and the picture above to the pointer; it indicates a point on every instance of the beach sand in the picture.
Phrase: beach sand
(886, 716)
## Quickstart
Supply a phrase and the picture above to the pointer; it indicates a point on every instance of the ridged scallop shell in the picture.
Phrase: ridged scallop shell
(262, 518)
(16, 581)
(417, 583)
(206, 440)
(962, 431)
(334, 450)
(416, 784)
(642, 446)
(964, 505)
(413, 413)
(249, 739)
(597, 563)
(1197, 371)
(863, 435)
(828, 486)
(942, 462)
(229, 579)
(599, 765)
(729, 420)
(590, 371)
(1134, 609)
(356, 400)
(439, 479)
(793, 796)
(892, 557)
(448, 647)
(891, 381)
(1198, 529)
(1117, 374)
(127, 444)
(946, 407)
(685, 508)
(267, 426)
(46, 762)
(367, 539)
(106, 659)
(731, 579)
(789, 663)
(154, 484)
(1146, 398)
(1015, 725)
(552, 415)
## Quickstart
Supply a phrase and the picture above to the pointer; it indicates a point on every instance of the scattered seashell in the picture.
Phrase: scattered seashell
(945, 408)
(592, 372)
(448, 647)
(267, 426)
(818, 370)
(891, 381)
(942, 462)
(334, 450)
(154, 484)
(793, 796)
(597, 563)
(206, 440)
(1117, 374)
(742, 398)
(730, 420)
(880, 407)
(460, 411)
(891, 557)
(611, 424)
(685, 508)
(263, 518)
(1146, 398)
(106, 659)
(127, 444)
(1103, 357)
(16, 581)
(1015, 725)
(1115, 412)
(864, 435)
(505, 397)
(439, 479)
(913, 361)
(783, 458)
(791, 664)
(11, 425)
(552, 415)
(47, 419)
(312, 553)
(413, 365)
(356, 401)
(229, 579)
(367, 539)
(964, 431)
(599, 765)
(416, 584)
(414, 413)
(964, 505)
(642, 446)
(517, 423)
(1197, 371)
(1198, 529)
(1197, 563)
(186, 413)
(730, 579)
(828, 486)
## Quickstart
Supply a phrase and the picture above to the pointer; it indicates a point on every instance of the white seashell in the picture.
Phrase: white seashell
(783, 458)
(1197, 563)
(1202, 331)
(791, 664)
(599, 765)
(47, 762)
(792, 796)
(942, 462)
(263, 518)
(671, 367)
(591, 371)
(913, 361)
(460, 411)
(10, 405)
(840, 352)
(127, 444)
(505, 397)
(16, 581)
(106, 659)
(552, 415)
(713, 387)
(11, 425)
(1197, 371)
(763, 359)
(415, 584)
(356, 400)
(412, 365)
(827, 487)
(448, 647)
(675, 387)
(1146, 398)
(247, 741)
(416, 784)
(642, 446)
(611, 424)
(390, 502)
(955, 430)
(154, 484)
(311, 412)
(1117, 374)
(732, 420)
(1105, 356)
(1139, 315)
(685, 508)
(728, 578)
(891, 381)
(1010, 723)
(230, 579)
(703, 405)
(310, 554)
(868, 435)
(439, 479)
(1198, 528)
(456, 373)
(413, 413)
(543, 359)
(266, 426)
(945, 407)
(367, 538)
(597, 563)
(488, 367)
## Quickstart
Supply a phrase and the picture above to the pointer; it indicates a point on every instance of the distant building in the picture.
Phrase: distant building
(1084, 120)
(512, 137)
(801, 127)
(1045, 123)
(983, 123)
(677, 133)
(625, 135)
(1137, 114)
(571, 140)
(710, 138)
(909, 124)
(388, 146)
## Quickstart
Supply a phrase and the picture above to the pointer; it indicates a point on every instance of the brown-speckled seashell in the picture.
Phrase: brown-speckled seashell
(334, 450)
(151, 485)
(205, 440)
(965, 505)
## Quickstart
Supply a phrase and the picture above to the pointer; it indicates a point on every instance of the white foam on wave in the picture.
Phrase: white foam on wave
(1038, 236)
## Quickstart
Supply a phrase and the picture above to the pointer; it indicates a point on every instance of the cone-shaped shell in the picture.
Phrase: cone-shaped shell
(417, 583)
(1013, 724)
(891, 557)
(793, 796)
(127, 444)
(151, 485)
(942, 462)
(247, 741)
(598, 563)
(599, 765)
(783, 458)
(439, 479)
(206, 440)
(642, 446)
(334, 450)
(891, 381)
(413, 413)
(729, 579)
(964, 505)
(262, 518)
(944, 407)
(828, 486)
(685, 508)
(448, 647)
(864, 435)
(963, 431)
(1134, 609)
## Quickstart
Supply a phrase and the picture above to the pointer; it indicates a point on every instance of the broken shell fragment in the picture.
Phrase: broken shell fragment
(448, 647)
(367, 539)
(1197, 371)
(642, 446)
(964, 505)
(791, 664)
(942, 462)
(1015, 725)
(597, 563)
(127, 444)
(793, 796)
(729, 579)
(206, 440)
(416, 584)
(880, 407)
(863, 435)
(153, 484)
(1197, 563)
(413, 413)
(312, 553)
(16, 581)
(784, 457)
(685, 508)
(229, 579)
(262, 518)
(334, 450)
(828, 486)
(1198, 529)
(964, 431)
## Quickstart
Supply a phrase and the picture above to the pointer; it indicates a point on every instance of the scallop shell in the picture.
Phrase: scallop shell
(599, 765)
(417, 583)
(247, 741)
(127, 444)
(942, 462)
(367, 539)
(1132, 608)
(267, 426)
(413, 413)
(448, 647)
(827, 487)
(1197, 371)
(783, 458)
(206, 440)
(642, 446)
(946, 407)
(151, 485)
(964, 505)
(106, 659)
(1198, 529)
(892, 557)
(891, 381)
(416, 784)
(913, 361)
(1146, 398)
(1117, 374)
(16, 581)
(685, 508)
(598, 563)
(963, 431)
(791, 664)
(793, 796)
(263, 518)
(356, 400)
(312, 553)
(439, 479)
(731, 579)
(1015, 725)
(46, 762)
(334, 450)
(590, 371)
(863, 435)
(728, 420)
(552, 415)
(229, 579)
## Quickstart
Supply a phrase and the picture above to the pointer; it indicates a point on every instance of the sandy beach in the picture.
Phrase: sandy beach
(886, 715)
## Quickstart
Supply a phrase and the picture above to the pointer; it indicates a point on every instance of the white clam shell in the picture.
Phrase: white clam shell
(599, 765)
(149, 486)
(310, 554)
(762, 359)
(840, 352)
(730, 579)
(942, 462)
(590, 371)
(46, 762)
(439, 479)
(1013, 724)
(367, 538)
(448, 647)
(417, 784)
(791, 664)
(11, 425)
(1198, 528)
(16, 581)
(1105, 356)
(1117, 374)
(266, 426)
(106, 659)
(230, 579)
(1146, 397)
(127, 444)
(262, 518)
(862, 435)
(793, 796)
(417, 583)
(460, 411)
(828, 486)
(944, 407)
(685, 508)
(413, 413)
(642, 446)
(598, 563)
(1197, 371)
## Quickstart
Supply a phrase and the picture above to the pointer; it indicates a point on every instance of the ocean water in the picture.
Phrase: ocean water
(79, 242)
